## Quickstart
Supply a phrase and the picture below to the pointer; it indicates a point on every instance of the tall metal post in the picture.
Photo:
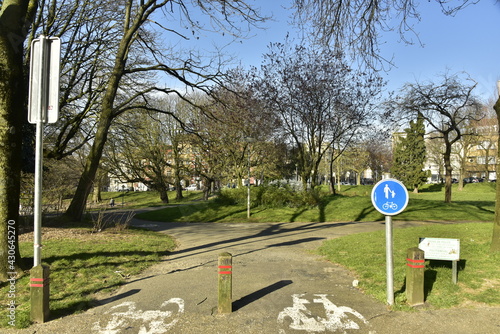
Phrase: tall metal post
(389, 257)
(248, 185)
(42, 104)
(38, 196)
(42, 108)
(389, 260)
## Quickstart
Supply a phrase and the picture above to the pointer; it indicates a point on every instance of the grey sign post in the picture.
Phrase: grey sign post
(390, 198)
(43, 107)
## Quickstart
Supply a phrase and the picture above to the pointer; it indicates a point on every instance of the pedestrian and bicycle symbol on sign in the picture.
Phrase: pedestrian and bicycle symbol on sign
(389, 197)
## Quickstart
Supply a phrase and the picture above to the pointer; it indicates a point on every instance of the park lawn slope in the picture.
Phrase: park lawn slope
(478, 277)
(475, 203)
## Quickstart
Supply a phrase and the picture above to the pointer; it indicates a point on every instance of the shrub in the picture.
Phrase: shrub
(270, 196)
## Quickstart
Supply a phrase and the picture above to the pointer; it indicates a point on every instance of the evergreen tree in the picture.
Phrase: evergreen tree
(409, 156)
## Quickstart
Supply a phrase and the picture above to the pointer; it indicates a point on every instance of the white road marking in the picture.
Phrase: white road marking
(152, 319)
(336, 316)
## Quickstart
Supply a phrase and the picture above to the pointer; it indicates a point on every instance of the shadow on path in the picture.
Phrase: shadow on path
(242, 302)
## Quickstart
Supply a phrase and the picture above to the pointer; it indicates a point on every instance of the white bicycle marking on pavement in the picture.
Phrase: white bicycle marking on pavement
(154, 319)
(336, 316)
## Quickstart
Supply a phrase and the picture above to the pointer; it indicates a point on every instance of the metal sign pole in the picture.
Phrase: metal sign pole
(389, 197)
(42, 112)
(42, 108)
(38, 196)
(389, 260)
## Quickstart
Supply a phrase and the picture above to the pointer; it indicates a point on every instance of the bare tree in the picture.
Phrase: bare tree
(320, 101)
(445, 106)
(237, 129)
(357, 160)
(355, 26)
(126, 64)
(379, 150)
(151, 148)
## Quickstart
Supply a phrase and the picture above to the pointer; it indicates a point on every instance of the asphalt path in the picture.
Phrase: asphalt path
(278, 286)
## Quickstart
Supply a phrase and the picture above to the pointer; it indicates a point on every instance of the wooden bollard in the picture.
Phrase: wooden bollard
(225, 270)
(415, 269)
(40, 290)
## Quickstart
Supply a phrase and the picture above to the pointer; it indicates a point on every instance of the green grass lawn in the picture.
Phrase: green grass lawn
(478, 277)
(83, 264)
(475, 203)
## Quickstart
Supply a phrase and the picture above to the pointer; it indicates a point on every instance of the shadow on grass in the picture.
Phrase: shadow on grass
(109, 256)
(422, 209)
(364, 213)
(437, 187)
(297, 213)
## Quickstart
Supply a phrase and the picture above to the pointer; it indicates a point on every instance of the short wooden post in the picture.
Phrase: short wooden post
(40, 292)
(415, 268)
(225, 283)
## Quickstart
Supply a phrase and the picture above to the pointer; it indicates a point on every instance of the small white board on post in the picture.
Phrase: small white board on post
(43, 102)
(444, 249)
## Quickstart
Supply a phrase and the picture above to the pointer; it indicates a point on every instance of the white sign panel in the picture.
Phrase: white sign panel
(440, 248)
(44, 80)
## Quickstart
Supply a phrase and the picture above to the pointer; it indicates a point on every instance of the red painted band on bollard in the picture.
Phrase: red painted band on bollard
(414, 265)
(38, 285)
(225, 272)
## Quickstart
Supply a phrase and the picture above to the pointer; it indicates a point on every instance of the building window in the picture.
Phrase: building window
(482, 160)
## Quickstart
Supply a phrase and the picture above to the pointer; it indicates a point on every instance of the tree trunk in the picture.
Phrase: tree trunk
(448, 172)
(461, 179)
(77, 205)
(96, 198)
(14, 16)
(178, 187)
(163, 195)
(207, 187)
(495, 241)
(332, 178)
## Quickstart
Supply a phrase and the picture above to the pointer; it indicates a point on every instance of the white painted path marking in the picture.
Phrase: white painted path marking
(154, 319)
(336, 316)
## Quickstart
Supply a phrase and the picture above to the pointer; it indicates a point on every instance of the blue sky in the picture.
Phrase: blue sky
(469, 41)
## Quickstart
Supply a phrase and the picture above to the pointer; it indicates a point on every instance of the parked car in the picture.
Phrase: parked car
(469, 180)
(191, 187)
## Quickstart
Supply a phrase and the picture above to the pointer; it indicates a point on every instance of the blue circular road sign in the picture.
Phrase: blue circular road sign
(390, 197)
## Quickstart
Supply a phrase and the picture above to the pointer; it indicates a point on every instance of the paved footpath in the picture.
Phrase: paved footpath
(279, 286)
